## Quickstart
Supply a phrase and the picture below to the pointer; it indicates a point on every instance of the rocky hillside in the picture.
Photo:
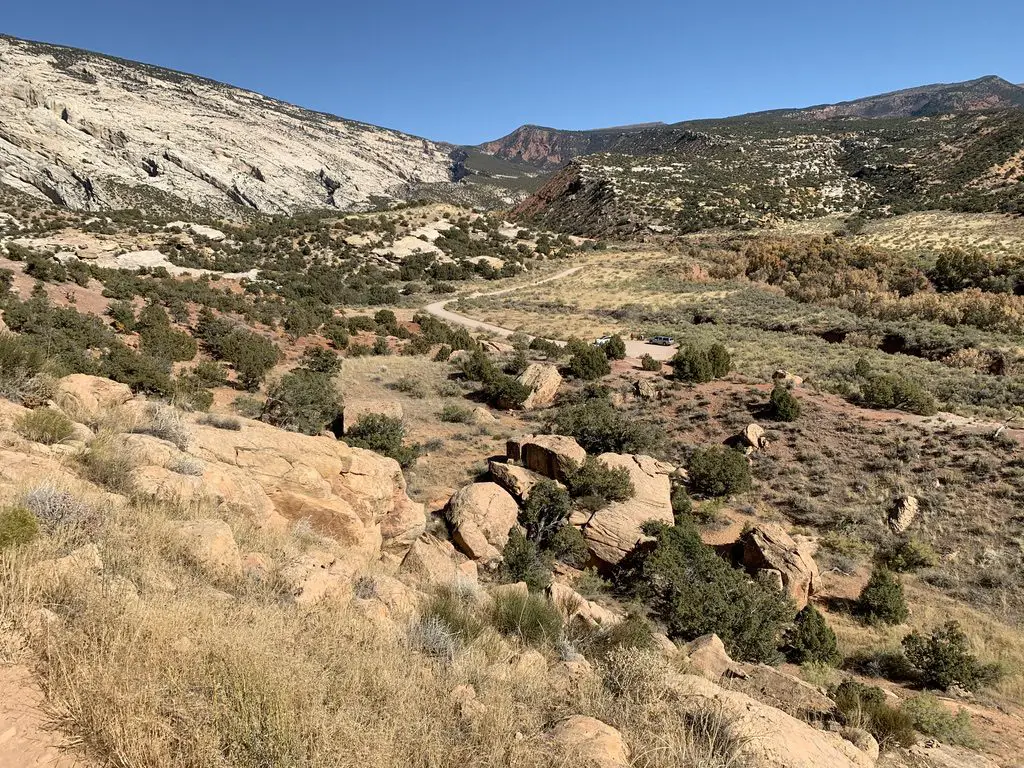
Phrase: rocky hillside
(550, 148)
(92, 132)
(978, 95)
(759, 170)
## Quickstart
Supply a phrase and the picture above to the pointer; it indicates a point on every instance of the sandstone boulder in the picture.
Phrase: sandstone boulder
(591, 742)
(645, 389)
(765, 736)
(517, 480)
(481, 515)
(615, 530)
(552, 456)
(902, 514)
(493, 347)
(786, 379)
(211, 545)
(431, 560)
(752, 438)
(86, 398)
(769, 547)
(544, 381)
(706, 656)
(352, 494)
(81, 564)
(573, 605)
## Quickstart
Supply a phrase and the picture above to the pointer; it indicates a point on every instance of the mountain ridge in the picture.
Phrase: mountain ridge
(549, 148)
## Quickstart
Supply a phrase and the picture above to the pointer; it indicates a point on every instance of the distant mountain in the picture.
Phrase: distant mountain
(94, 132)
(985, 93)
(551, 148)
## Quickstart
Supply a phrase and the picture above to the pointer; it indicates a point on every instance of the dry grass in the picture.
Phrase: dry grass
(248, 679)
(451, 449)
(990, 639)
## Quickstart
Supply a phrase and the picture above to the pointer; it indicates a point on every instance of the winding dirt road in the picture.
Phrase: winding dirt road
(438, 309)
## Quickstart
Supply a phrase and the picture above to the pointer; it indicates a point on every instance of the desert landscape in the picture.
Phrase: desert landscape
(692, 444)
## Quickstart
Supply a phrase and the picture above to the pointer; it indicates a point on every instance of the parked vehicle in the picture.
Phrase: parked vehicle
(602, 341)
(662, 341)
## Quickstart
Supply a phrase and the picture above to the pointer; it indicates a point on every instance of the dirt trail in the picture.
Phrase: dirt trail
(26, 740)
(634, 349)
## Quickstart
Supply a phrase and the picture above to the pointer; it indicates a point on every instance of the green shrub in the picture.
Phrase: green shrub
(380, 346)
(531, 618)
(588, 363)
(503, 391)
(302, 401)
(694, 592)
(691, 363)
(45, 425)
(384, 435)
(907, 554)
(549, 349)
(18, 526)
(521, 560)
(720, 360)
(864, 706)
(812, 639)
(894, 391)
(682, 505)
(595, 643)
(719, 471)
(457, 610)
(569, 546)
(108, 463)
(251, 355)
(593, 478)
(783, 405)
(321, 360)
(931, 717)
(210, 374)
(615, 349)
(944, 659)
(545, 510)
(599, 428)
(648, 363)
(412, 387)
(456, 414)
(882, 601)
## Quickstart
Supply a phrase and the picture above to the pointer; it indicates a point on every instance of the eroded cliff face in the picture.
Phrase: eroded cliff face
(95, 133)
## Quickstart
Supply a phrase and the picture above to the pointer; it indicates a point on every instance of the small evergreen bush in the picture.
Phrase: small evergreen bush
(18, 526)
(944, 659)
(812, 639)
(783, 405)
(719, 471)
(882, 601)
(44, 425)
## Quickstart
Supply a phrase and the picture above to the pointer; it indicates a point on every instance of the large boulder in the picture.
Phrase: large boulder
(431, 560)
(517, 480)
(553, 456)
(211, 545)
(588, 741)
(352, 494)
(902, 514)
(572, 605)
(543, 380)
(765, 736)
(86, 398)
(481, 516)
(769, 548)
(613, 531)
(706, 656)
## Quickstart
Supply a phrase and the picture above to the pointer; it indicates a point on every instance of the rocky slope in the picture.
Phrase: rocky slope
(93, 132)
(543, 148)
(762, 169)
(978, 95)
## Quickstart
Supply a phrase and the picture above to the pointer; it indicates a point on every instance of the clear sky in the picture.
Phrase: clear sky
(465, 72)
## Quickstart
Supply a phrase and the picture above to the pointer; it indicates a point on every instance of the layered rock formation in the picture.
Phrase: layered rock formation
(93, 133)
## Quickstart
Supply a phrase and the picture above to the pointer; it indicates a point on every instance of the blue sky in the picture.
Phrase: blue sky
(470, 71)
